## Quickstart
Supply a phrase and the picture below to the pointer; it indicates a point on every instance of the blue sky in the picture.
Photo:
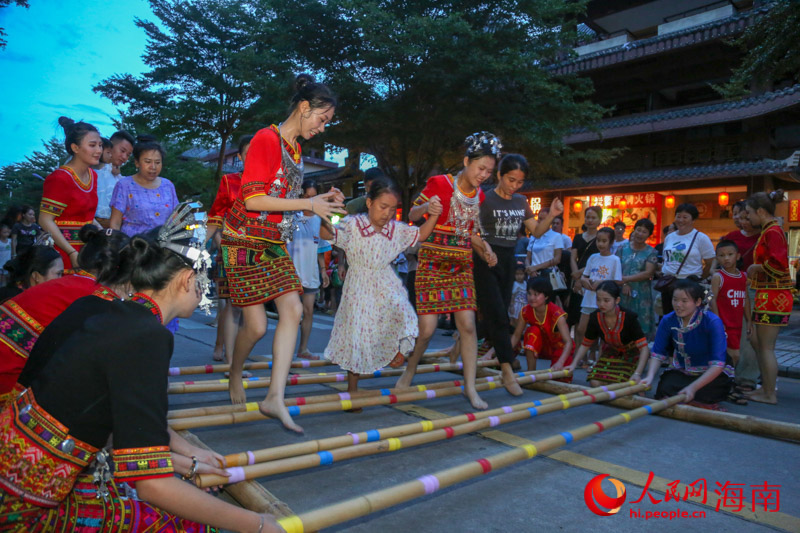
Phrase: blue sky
(57, 51)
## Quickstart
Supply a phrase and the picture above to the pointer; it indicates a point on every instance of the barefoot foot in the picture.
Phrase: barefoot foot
(219, 353)
(761, 397)
(404, 382)
(488, 356)
(236, 391)
(277, 409)
(476, 401)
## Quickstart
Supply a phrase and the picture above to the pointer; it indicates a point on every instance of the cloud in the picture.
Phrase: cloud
(16, 57)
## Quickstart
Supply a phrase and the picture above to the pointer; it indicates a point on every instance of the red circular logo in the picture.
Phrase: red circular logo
(594, 495)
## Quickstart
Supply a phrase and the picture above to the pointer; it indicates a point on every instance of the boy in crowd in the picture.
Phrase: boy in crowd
(730, 300)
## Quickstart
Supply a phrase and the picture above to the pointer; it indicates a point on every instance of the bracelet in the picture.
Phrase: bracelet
(192, 471)
(261, 526)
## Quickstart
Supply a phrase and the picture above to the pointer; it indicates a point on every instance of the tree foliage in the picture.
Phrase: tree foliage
(209, 78)
(771, 47)
(415, 77)
(19, 184)
(6, 3)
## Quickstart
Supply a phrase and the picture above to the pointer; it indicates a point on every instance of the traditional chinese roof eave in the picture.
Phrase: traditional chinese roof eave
(688, 117)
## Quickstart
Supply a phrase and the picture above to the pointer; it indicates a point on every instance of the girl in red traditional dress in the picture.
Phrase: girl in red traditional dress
(624, 352)
(769, 276)
(34, 266)
(227, 314)
(69, 197)
(444, 282)
(258, 267)
(24, 317)
(543, 328)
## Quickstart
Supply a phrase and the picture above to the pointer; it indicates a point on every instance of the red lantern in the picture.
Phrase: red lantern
(623, 204)
(577, 206)
(723, 199)
(669, 202)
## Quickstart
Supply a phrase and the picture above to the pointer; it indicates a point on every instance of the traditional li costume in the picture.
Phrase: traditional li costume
(542, 336)
(24, 317)
(375, 319)
(619, 352)
(693, 349)
(773, 287)
(444, 282)
(53, 474)
(257, 264)
(229, 187)
(72, 203)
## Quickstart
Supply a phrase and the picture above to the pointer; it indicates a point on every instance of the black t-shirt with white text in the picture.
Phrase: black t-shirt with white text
(502, 219)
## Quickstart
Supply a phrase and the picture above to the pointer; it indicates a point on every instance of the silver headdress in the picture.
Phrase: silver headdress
(179, 234)
(483, 143)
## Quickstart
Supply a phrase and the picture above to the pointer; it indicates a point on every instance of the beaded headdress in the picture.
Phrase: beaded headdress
(483, 143)
(179, 234)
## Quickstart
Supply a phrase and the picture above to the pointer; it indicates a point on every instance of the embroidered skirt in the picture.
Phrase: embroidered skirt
(82, 511)
(615, 365)
(258, 271)
(444, 282)
(772, 307)
(535, 341)
(221, 279)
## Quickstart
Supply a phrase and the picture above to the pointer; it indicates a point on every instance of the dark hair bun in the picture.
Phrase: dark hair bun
(302, 81)
(65, 122)
(776, 196)
(87, 232)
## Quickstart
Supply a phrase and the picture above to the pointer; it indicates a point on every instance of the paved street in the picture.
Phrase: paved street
(542, 494)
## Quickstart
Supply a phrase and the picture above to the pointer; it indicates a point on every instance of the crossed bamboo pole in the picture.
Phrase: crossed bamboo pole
(308, 379)
(215, 369)
(272, 461)
(429, 484)
(322, 398)
(346, 405)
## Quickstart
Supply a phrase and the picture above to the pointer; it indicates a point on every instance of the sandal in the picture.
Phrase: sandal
(737, 398)
(398, 361)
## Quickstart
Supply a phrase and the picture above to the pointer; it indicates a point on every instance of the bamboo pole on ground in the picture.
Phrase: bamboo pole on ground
(321, 398)
(346, 405)
(397, 437)
(762, 427)
(426, 485)
(214, 369)
(213, 385)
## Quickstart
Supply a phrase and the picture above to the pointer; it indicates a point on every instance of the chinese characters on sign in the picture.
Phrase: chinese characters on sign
(647, 199)
(536, 204)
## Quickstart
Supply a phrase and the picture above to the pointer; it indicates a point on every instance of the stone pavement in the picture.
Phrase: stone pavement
(787, 349)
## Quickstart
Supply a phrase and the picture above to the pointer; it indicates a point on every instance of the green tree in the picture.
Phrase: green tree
(6, 3)
(209, 78)
(416, 77)
(21, 183)
(771, 49)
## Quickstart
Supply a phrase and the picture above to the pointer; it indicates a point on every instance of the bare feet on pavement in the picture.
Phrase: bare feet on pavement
(476, 401)
(275, 408)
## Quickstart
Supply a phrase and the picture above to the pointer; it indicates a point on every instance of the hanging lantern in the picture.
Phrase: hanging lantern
(669, 202)
(723, 199)
(577, 206)
(623, 204)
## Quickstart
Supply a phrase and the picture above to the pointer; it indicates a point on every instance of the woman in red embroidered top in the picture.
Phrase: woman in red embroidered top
(24, 317)
(83, 394)
(258, 267)
(69, 197)
(444, 281)
(227, 315)
(769, 276)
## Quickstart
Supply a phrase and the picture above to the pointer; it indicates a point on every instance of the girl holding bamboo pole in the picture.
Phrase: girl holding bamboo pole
(257, 264)
(375, 324)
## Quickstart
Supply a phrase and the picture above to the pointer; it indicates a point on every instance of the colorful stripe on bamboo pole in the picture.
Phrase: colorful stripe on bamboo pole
(431, 483)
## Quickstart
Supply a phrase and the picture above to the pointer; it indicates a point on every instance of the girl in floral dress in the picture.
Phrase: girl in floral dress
(375, 323)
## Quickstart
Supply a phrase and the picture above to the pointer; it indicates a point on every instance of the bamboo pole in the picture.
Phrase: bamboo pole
(346, 405)
(752, 425)
(321, 398)
(220, 385)
(214, 369)
(409, 435)
(425, 485)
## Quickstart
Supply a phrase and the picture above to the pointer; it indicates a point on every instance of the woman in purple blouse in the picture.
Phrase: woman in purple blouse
(145, 200)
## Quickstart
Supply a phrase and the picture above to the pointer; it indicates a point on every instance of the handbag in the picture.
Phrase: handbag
(557, 279)
(667, 281)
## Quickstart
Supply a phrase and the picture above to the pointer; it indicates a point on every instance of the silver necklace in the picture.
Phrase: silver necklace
(464, 213)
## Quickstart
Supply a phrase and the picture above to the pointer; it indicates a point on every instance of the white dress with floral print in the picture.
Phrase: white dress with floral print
(375, 319)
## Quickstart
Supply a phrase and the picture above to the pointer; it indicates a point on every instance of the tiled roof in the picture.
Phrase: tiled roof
(685, 117)
(670, 175)
(717, 29)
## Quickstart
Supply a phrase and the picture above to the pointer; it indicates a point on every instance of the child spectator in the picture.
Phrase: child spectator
(5, 251)
(25, 232)
(619, 237)
(730, 301)
(518, 294)
(600, 267)
(542, 325)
